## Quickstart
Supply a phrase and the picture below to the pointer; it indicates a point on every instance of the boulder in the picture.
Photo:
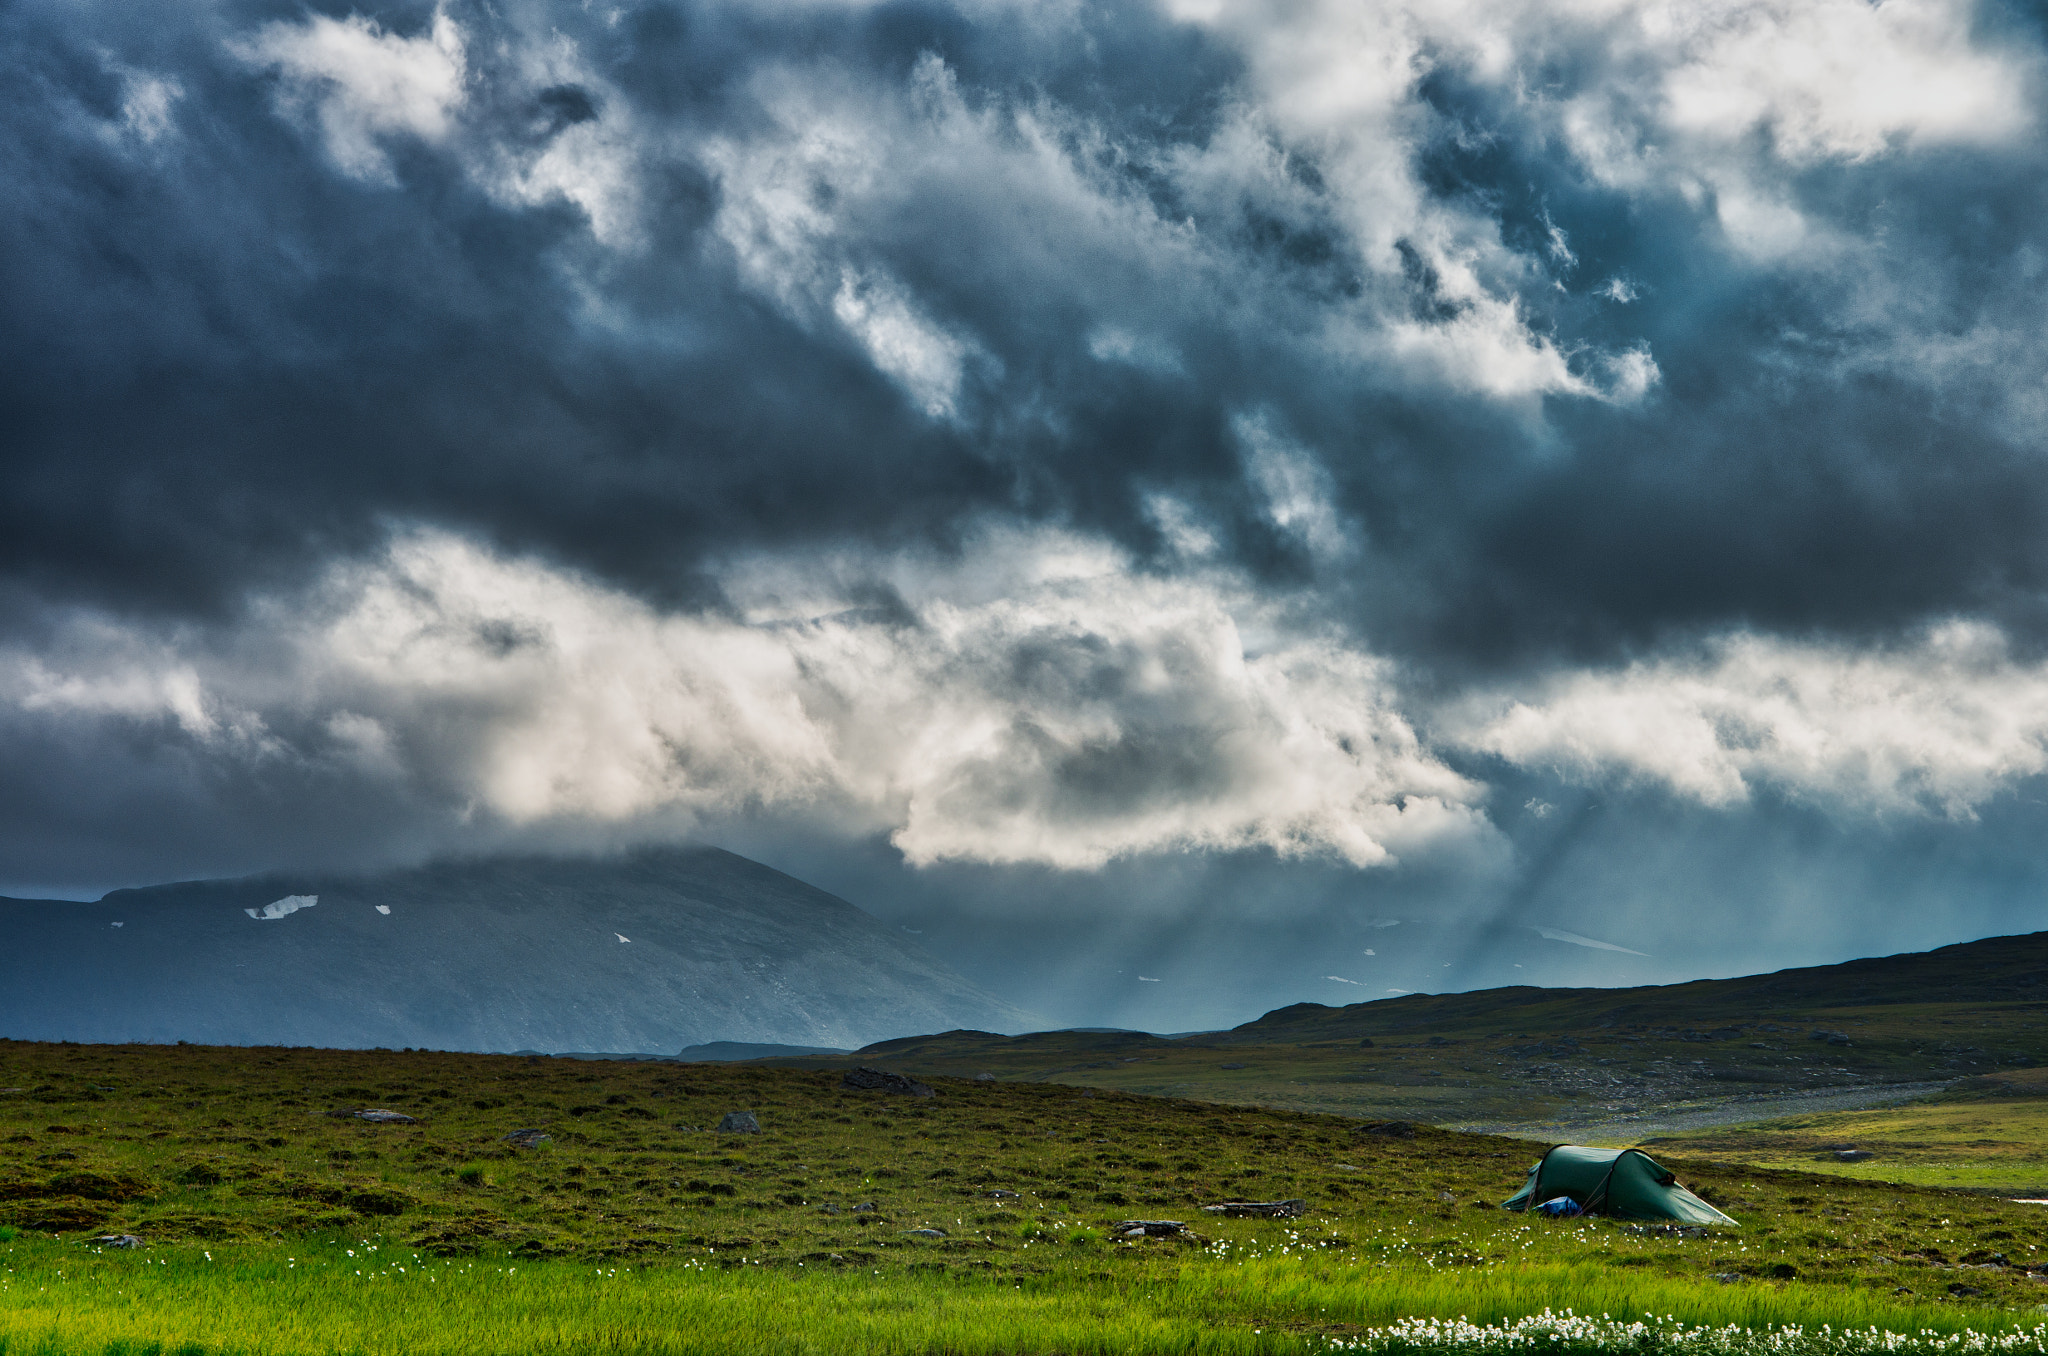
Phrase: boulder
(527, 1139)
(739, 1123)
(924, 1233)
(117, 1241)
(1148, 1228)
(984, 1077)
(1291, 1209)
(379, 1116)
(880, 1080)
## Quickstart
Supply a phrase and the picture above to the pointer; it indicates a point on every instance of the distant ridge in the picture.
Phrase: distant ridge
(652, 951)
(1992, 969)
(732, 1052)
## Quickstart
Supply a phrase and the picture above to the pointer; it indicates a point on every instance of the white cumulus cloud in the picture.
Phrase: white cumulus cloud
(1939, 724)
(363, 84)
(1040, 702)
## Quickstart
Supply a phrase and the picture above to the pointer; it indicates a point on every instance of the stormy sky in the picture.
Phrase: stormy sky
(1184, 506)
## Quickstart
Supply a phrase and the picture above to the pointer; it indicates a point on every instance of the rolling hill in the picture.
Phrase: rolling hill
(1526, 1056)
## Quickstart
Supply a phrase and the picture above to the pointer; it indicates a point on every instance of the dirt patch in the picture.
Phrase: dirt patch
(56, 1216)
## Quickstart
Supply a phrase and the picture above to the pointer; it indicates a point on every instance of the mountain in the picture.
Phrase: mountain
(649, 952)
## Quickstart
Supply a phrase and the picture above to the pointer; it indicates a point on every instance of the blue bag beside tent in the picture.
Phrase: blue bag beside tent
(1623, 1183)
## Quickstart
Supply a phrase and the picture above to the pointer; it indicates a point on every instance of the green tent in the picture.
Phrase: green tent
(1625, 1183)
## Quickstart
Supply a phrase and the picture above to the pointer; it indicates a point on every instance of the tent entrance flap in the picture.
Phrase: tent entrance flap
(1623, 1183)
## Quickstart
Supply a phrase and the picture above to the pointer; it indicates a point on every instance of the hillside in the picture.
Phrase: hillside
(1529, 1057)
(648, 952)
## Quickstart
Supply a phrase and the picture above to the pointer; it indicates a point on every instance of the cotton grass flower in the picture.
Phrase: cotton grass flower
(1571, 1332)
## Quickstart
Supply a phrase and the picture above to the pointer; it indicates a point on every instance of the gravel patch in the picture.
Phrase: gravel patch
(1709, 1114)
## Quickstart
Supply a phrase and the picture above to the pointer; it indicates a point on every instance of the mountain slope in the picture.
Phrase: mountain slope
(505, 954)
(1993, 969)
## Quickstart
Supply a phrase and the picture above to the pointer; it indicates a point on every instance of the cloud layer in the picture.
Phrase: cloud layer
(1040, 435)
(1032, 700)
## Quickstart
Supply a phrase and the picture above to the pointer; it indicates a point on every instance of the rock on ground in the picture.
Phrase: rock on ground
(880, 1080)
(1148, 1228)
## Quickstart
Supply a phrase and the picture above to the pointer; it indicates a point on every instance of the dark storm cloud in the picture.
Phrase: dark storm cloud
(232, 352)
(225, 357)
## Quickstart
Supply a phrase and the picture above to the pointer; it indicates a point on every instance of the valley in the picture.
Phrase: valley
(992, 1216)
(1052, 1194)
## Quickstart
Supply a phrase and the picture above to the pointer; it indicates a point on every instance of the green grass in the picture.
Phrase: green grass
(318, 1299)
(637, 1229)
(1991, 1136)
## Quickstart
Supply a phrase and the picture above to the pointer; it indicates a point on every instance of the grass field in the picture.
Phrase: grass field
(1990, 1134)
(273, 1225)
(320, 1298)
